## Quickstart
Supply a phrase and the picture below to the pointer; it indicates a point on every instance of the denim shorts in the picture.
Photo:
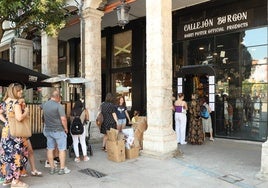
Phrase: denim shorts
(122, 121)
(56, 139)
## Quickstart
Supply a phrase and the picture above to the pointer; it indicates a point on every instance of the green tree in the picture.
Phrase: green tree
(32, 15)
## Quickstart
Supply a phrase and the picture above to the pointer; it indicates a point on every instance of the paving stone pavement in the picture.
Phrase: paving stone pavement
(222, 163)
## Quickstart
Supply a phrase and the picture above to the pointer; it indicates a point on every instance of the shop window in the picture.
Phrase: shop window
(258, 54)
(103, 52)
(122, 50)
(255, 37)
(62, 59)
(241, 65)
(200, 51)
(122, 84)
(4, 55)
(177, 56)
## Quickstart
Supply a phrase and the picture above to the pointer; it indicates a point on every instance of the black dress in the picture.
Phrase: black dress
(107, 110)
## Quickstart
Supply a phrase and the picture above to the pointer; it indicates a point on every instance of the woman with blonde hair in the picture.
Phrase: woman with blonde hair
(13, 152)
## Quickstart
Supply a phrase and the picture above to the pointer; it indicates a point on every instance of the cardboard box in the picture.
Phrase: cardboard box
(138, 135)
(112, 134)
(141, 124)
(132, 153)
(116, 150)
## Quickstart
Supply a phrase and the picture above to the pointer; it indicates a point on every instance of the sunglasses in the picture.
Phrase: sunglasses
(15, 84)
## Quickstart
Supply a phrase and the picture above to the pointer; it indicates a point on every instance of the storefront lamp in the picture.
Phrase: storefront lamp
(122, 13)
(36, 44)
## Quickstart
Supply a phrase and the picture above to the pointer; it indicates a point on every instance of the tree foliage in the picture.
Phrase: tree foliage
(29, 15)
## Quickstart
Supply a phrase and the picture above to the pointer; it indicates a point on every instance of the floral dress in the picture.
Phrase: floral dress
(13, 150)
(107, 110)
(196, 135)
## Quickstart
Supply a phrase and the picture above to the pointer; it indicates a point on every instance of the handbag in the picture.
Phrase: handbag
(19, 128)
(99, 119)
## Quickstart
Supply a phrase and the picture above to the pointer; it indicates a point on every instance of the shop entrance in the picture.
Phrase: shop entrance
(199, 80)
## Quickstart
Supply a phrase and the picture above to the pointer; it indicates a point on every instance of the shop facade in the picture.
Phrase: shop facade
(218, 48)
(220, 52)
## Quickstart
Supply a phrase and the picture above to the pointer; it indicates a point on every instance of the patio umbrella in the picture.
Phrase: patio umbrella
(122, 89)
(11, 72)
(55, 79)
(62, 78)
(76, 80)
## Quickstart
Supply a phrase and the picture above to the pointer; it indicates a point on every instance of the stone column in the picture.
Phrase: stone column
(263, 174)
(91, 60)
(23, 55)
(159, 139)
(49, 60)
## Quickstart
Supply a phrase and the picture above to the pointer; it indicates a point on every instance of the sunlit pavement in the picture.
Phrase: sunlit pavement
(222, 163)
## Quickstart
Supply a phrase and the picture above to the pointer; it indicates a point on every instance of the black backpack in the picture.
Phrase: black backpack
(77, 126)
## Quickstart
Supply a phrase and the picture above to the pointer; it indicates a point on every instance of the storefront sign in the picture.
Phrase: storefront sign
(220, 24)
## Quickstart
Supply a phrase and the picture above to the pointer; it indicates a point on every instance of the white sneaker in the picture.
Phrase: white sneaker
(64, 171)
(77, 159)
(47, 165)
(86, 158)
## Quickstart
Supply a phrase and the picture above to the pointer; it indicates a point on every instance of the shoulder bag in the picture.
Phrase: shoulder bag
(99, 119)
(19, 128)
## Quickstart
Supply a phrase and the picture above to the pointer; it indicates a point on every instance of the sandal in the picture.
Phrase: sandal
(86, 158)
(36, 173)
(104, 148)
(7, 182)
(18, 184)
(23, 173)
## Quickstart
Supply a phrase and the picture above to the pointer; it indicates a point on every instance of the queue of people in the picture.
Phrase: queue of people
(17, 151)
(198, 124)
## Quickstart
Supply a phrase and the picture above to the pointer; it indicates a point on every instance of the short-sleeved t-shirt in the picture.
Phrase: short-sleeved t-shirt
(53, 111)
(120, 112)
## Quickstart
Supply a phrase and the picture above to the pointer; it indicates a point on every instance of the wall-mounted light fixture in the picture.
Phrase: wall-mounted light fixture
(122, 13)
(36, 44)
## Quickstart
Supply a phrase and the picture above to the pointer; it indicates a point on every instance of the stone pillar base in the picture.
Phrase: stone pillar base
(263, 174)
(159, 143)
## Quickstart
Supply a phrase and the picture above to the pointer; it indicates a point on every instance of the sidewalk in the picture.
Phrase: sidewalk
(222, 163)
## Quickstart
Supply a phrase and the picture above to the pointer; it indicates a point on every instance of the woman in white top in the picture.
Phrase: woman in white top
(180, 107)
